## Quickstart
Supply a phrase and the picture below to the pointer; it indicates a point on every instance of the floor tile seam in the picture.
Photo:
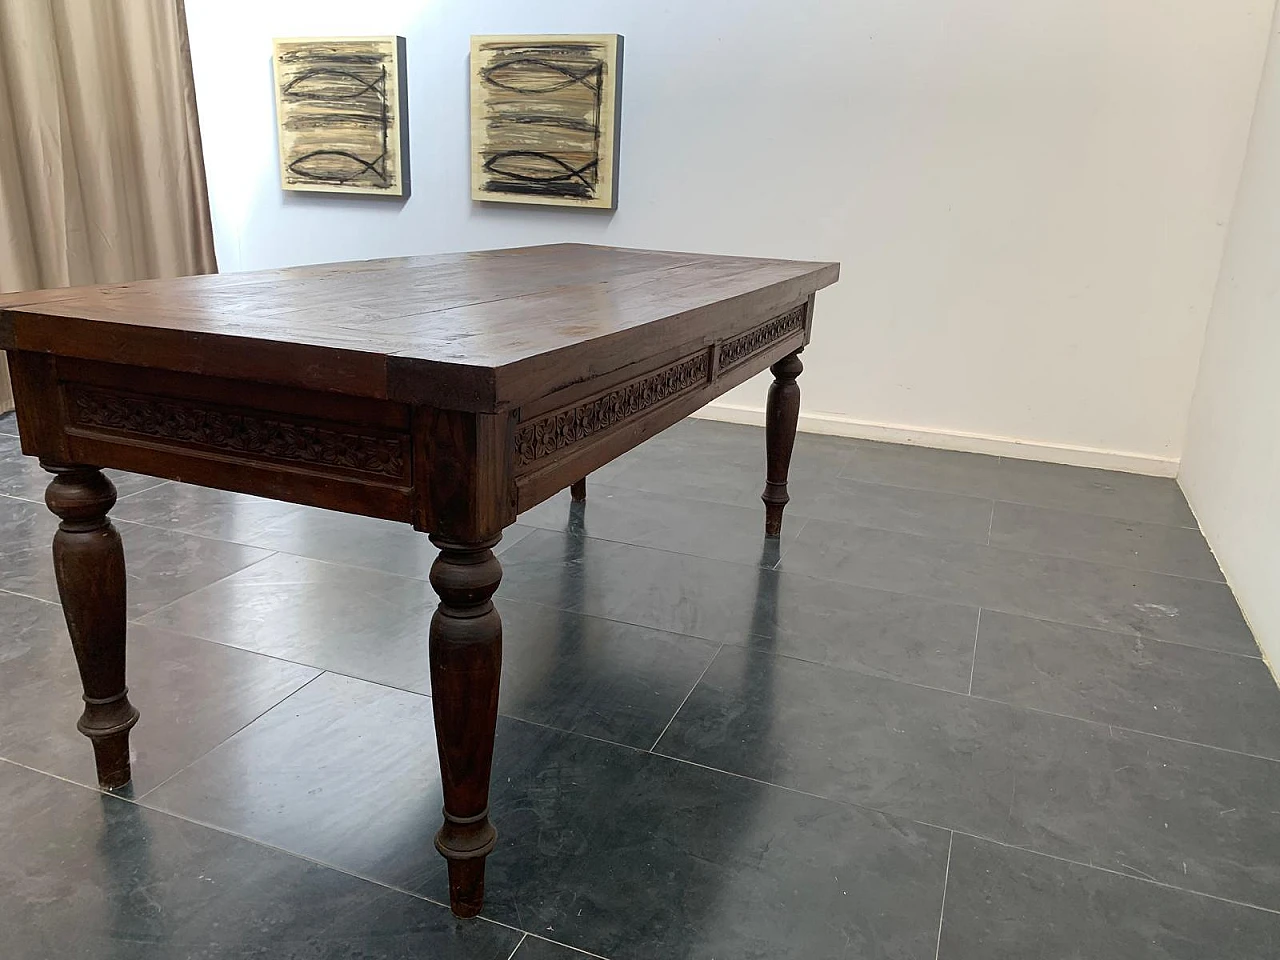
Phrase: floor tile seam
(322, 671)
(1025, 616)
(499, 597)
(141, 619)
(1104, 563)
(1101, 516)
(788, 544)
(744, 644)
(686, 698)
(505, 544)
(776, 566)
(300, 556)
(1107, 563)
(395, 888)
(567, 946)
(1047, 508)
(797, 511)
(645, 546)
(989, 495)
(234, 733)
(159, 482)
(138, 622)
(653, 750)
(275, 550)
(1022, 552)
(659, 494)
(155, 486)
(721, 645)
(516, 950)
(183, 532)
(1137, 636)
(126, 496)
(303, 556)
(1112, 727)
(973, 662)
(739, 644)
(960, 831)
(985, 495)
(991, 522)
(27, 596)
(569, 733)
(987, 699)
(791, 542)
(747, 646)
(192, 534)
(419, 896)
(1117, 873)
(946, 880)
(56, 776)
(799, 576)
(319, 668)
(294, 854)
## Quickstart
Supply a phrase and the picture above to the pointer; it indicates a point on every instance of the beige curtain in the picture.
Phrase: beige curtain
(101, 175)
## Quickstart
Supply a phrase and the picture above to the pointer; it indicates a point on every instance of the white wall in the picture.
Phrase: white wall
(1029, 197)
(1231, 470)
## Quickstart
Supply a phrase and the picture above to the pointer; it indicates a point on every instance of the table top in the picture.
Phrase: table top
(470, 330)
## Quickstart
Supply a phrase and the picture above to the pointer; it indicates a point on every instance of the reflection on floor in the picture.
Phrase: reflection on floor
(966, 708)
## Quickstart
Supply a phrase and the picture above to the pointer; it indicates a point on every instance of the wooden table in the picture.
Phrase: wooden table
(449, 392)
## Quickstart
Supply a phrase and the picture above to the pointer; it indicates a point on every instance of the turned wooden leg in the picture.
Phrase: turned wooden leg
(466, 660)
(779, 438)
(88, 561)
(579, 490)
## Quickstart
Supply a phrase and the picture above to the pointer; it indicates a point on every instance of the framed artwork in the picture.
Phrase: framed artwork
(340, 107)
(544, 119)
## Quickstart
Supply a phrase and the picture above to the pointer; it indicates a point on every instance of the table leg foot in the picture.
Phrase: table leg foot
(781, 416)
(579, 490)
(88, 561)
(466, 662)
(466, 885)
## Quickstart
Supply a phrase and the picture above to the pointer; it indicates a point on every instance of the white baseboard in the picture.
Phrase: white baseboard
(836, 425)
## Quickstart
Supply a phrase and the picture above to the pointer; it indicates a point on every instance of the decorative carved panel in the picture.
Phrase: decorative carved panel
(544, 435)
(738, 349)
(248, 435)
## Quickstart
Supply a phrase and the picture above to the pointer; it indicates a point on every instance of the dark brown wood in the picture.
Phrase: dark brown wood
(780, 418)
(39, 410)
(466, 661)
(571, 445)
(449, 392)
(475, 331)
(88, 561)
(464, 484)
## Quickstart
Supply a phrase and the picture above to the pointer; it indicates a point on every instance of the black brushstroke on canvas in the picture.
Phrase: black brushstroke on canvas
(522, 64)
(530, 172)
(325, 171)
(546, 188)
(365, 85)
(495, 162)
(319, 165)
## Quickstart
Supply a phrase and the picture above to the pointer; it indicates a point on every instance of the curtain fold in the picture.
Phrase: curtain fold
(101, 173)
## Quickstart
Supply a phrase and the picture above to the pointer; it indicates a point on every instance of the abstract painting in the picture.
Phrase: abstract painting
(340, 105)
(544, 119)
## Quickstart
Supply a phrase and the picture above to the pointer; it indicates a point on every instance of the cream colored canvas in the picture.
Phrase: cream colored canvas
(340, 106)
(544, 119)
